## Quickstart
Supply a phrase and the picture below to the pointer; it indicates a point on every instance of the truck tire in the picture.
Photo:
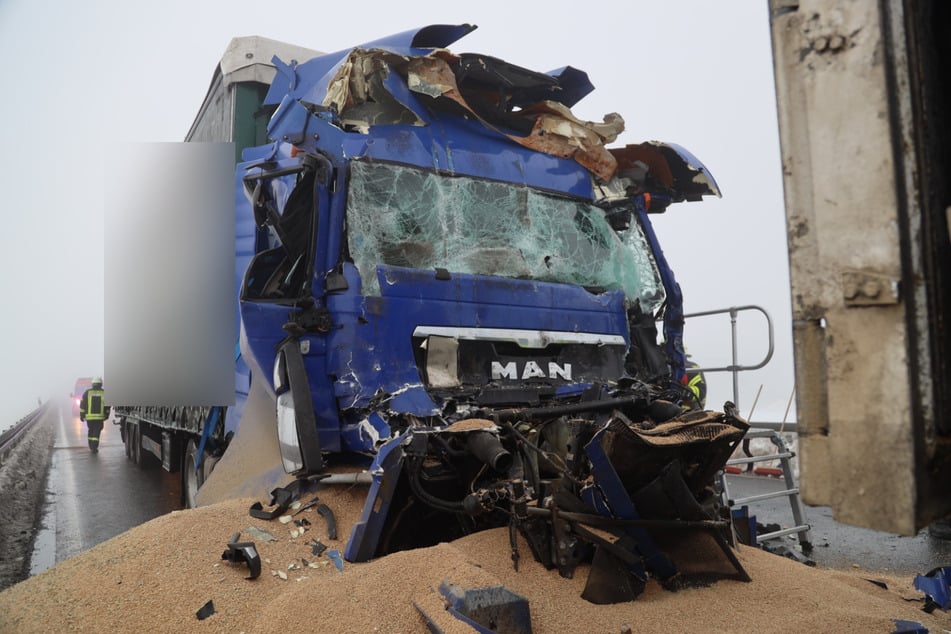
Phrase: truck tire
(126, 440)
(142, 458)
(192, 479)
(133, 446)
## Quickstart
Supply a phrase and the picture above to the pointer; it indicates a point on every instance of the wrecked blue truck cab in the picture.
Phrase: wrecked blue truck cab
(458, 280)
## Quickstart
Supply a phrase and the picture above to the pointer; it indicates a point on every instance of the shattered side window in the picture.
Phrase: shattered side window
(403, 216)
(652, 294)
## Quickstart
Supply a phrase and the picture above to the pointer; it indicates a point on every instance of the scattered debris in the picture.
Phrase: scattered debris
(243, 552)
(306, 506)
(260, 535)
(334, 556)
(328, 516)
(909, 627)
(935, 585)
(317, 548)
(285, 519)
(206, 610)
(787, 551)
(495, 608)
(281, 499)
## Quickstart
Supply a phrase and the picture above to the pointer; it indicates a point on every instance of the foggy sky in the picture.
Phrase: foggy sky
(82, 78)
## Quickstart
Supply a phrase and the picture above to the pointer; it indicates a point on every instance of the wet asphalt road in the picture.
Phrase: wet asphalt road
(93, 497)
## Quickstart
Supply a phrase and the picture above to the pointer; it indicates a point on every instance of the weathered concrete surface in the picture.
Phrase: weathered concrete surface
(848, 172)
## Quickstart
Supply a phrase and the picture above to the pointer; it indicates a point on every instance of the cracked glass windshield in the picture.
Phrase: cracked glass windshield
(403, 216)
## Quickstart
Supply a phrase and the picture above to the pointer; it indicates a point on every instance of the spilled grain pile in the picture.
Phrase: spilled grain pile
(156, 577)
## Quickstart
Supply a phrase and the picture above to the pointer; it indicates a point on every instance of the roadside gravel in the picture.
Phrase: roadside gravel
(23, 477)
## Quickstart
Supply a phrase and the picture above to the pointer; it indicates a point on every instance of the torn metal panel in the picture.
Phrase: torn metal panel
(366, 92)
(501, 96)
(511, 87)
(663, 168)
(573, 83)
(315, 75)
(554, 130)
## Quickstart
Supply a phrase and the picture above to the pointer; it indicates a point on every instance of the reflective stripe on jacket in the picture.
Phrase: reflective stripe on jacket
(94, 405)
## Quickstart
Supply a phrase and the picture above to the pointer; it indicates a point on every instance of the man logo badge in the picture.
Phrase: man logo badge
(530, 370)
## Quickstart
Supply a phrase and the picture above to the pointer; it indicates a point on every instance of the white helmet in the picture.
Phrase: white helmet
(97, 382)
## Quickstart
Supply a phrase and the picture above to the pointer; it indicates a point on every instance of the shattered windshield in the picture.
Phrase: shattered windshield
(403, 216)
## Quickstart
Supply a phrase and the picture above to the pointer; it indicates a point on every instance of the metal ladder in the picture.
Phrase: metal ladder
(791, 491)
(765, 431)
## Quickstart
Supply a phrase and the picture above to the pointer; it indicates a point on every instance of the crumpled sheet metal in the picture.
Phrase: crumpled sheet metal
(671, 165)
(366, 78)
(936, 584)
(364, 93)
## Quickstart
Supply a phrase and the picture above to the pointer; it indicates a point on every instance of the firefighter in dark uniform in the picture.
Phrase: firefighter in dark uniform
(94, 411)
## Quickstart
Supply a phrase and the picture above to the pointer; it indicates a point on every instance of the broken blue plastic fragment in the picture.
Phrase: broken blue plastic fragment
(909, 627)
(488, 610)
(935, 585)
(334, 556)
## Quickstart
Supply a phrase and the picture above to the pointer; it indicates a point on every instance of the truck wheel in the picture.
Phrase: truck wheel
(144, 458)
(126, 440)
(135, 444)
(192, 479)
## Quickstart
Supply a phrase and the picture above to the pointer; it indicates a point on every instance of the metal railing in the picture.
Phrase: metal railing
(765, 430)
(735, 368)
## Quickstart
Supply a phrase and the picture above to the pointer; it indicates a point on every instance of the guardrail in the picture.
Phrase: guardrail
(12, 436)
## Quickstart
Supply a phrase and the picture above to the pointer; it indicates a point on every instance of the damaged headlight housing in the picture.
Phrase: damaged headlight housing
(286, 418)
